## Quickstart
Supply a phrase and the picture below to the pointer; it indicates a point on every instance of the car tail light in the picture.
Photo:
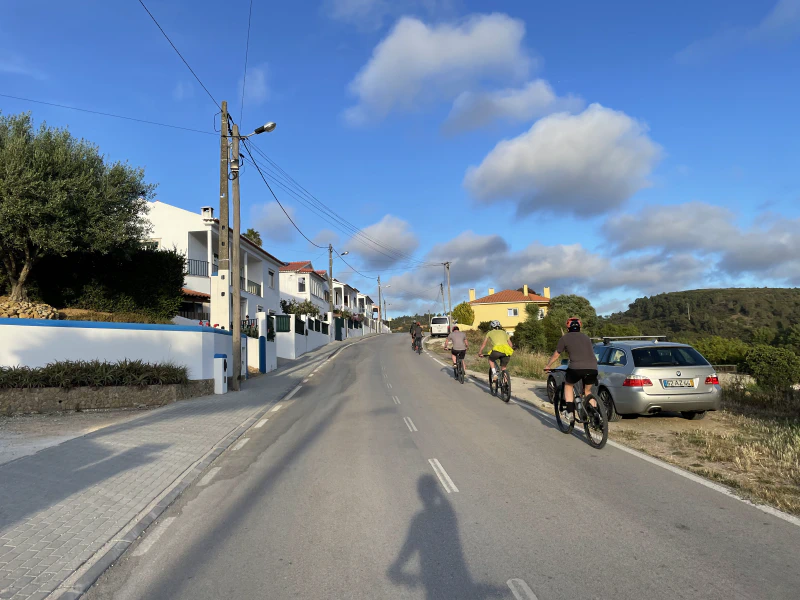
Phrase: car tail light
(713, 380)
(636, 382)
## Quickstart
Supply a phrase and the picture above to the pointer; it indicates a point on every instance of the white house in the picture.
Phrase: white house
(344, 297)
(196, 235)
(365, 305)
(301, 282)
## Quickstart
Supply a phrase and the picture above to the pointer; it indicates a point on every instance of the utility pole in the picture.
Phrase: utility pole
(220, 284)
(384, 309)
(449, 301)
(380, 314)
(441, 291)
(235, 268)
(330, 277)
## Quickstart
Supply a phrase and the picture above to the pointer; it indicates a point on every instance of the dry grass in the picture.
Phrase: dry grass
(523, 364)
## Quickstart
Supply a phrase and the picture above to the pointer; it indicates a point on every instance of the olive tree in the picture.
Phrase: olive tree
(58, 195)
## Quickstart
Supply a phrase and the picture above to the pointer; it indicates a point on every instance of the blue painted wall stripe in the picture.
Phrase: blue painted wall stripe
(101, 325)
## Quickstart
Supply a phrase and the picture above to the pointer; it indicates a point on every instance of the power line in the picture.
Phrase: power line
(351, 266)
(179, 54)
(246, 54)
(105, 114)
(247, 149)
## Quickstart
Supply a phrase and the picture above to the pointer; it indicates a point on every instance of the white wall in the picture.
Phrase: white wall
(172, 226)
(35, 343)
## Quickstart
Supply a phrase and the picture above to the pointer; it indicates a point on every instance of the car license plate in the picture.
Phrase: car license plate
(678, 383)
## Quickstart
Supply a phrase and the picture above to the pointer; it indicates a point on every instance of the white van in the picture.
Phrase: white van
(440, 326)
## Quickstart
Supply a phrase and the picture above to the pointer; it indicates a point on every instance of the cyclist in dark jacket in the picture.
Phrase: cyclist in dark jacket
(417, 333)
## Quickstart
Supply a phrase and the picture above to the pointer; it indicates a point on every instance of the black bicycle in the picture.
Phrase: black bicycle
(501, 385)
(593, 418)
(418, 345)
(460, 371)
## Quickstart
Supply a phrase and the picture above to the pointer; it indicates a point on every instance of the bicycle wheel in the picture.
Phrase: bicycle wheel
(492, 384)
(564, 418)
(505, 387)
(461, 371)
(596, 426)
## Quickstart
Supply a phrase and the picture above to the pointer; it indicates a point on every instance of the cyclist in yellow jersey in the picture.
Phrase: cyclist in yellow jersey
(498, 337)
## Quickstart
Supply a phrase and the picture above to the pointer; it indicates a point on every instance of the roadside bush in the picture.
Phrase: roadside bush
(116, 317)
(722, 351)
(529, 335)
(773, 368)
(484, 326)
(464, 314)
(69, 374)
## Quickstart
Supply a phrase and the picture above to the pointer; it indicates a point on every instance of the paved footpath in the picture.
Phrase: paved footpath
(68, 511)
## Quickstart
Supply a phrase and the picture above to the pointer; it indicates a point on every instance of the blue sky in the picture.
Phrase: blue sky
(612, 149)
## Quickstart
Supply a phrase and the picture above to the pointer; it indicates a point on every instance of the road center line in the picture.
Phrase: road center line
(410, 424)
(153, 536)
(209, 476)
(395, 399)
(240, 444)
(521, 590)
(444, 478)
(389, 385)
(261, 423)
(292, 393)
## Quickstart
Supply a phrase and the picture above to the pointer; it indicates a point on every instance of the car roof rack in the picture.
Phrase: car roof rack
(655, 338)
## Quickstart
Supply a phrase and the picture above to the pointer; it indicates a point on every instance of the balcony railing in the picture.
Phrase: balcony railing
(194, 316)
(251, 286)
(197, 268)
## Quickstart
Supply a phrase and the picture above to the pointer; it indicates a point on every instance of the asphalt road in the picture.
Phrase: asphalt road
(385, 478)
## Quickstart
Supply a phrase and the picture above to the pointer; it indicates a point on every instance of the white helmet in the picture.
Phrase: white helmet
(495, 324)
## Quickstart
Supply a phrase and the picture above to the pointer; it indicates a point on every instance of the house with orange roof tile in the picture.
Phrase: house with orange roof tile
(300, 281)
(507, 306)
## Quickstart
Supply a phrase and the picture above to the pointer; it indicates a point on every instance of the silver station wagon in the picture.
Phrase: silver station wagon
(647, 375)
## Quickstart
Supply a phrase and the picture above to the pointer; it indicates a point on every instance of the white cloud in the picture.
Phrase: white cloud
(781, 24)
(371, 14)
(182, 91)
(418, 62)
(325, 237)
(388, 234)
(271, 222)
(256, 89)
(13, 64)
(473, 110)
(588, 164)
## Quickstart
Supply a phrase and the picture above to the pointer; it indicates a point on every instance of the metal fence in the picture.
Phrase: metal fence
(194, 316)
(197, 268)
(282, 323)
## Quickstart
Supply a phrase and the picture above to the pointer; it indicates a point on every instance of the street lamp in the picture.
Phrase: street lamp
(236, 248)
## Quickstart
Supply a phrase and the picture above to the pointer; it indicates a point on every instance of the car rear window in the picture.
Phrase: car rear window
(668, 356)
(439, 321)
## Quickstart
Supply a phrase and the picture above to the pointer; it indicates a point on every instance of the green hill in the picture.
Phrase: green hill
(763, 315)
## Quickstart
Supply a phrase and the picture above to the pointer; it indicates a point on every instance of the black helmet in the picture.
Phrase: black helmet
(574, 324)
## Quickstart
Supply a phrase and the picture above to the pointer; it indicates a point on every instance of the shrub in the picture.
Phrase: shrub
(69, 374)
(464, 314)
(117, 317)
(722, 351)
(529, 335)
(484, 326)
(773, 368)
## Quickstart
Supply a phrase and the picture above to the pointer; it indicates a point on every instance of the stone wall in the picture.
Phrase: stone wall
(48, 400)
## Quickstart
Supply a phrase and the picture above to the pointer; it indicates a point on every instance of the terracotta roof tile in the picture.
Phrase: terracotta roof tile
(509, 296)
(193, 294)
(298, 265)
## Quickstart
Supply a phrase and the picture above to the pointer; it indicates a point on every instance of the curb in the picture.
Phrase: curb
(91, 570)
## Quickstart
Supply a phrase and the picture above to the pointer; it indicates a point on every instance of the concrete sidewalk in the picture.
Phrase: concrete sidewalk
(67, 512)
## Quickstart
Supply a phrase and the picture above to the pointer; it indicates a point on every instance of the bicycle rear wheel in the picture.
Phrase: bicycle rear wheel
(461, 371)
(505, 387)
(596, 426)
(564, 418)
(492, 384)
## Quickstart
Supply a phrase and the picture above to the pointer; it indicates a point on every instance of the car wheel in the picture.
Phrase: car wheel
(695, 415)
(551, 389)
(611, 413)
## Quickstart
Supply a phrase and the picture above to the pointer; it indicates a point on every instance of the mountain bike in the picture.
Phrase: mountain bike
(593, 418)
(459, 369)
(418, 345)
(500, 386)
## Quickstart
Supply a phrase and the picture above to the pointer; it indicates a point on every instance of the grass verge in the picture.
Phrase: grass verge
(523, 364)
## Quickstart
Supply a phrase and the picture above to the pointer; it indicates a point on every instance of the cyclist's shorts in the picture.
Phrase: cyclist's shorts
(499, 357)
(587, 376)
(459, 353)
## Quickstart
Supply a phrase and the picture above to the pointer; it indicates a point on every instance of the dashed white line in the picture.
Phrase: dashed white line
(395, 399)
(261, 423)
(209, 476)
(240, 444)
(444, 478)
(410, 425)
(153, 536)
(521, 590)
(292, 393)
(311, 374)
(389, 385)
(276, 408)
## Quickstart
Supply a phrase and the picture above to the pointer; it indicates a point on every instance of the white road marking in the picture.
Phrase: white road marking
(292, 393)
(444, 478)
(521, 590)
(410, 424)
(311, 374)
(240, 444)
(153, 536)
(261, 423)
(209, 476)
(395, 399)
(389, 385)
(276, 408)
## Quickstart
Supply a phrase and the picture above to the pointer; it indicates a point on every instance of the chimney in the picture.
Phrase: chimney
(491, 291)
(546, 292)
(525, 290)
(471, 294)
(207, 212)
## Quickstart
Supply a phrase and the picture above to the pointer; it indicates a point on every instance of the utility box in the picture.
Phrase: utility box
(220, 373)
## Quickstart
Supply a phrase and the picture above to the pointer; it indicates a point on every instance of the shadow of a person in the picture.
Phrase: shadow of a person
(433, 535)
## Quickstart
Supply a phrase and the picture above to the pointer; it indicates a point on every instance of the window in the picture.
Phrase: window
(600, 352)
(513, 312)
(670, 356)
(151, 244)
(301, 285)
(272, 279)
(259, 308)
(541, 314)
(439, 321)
(616, 358)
